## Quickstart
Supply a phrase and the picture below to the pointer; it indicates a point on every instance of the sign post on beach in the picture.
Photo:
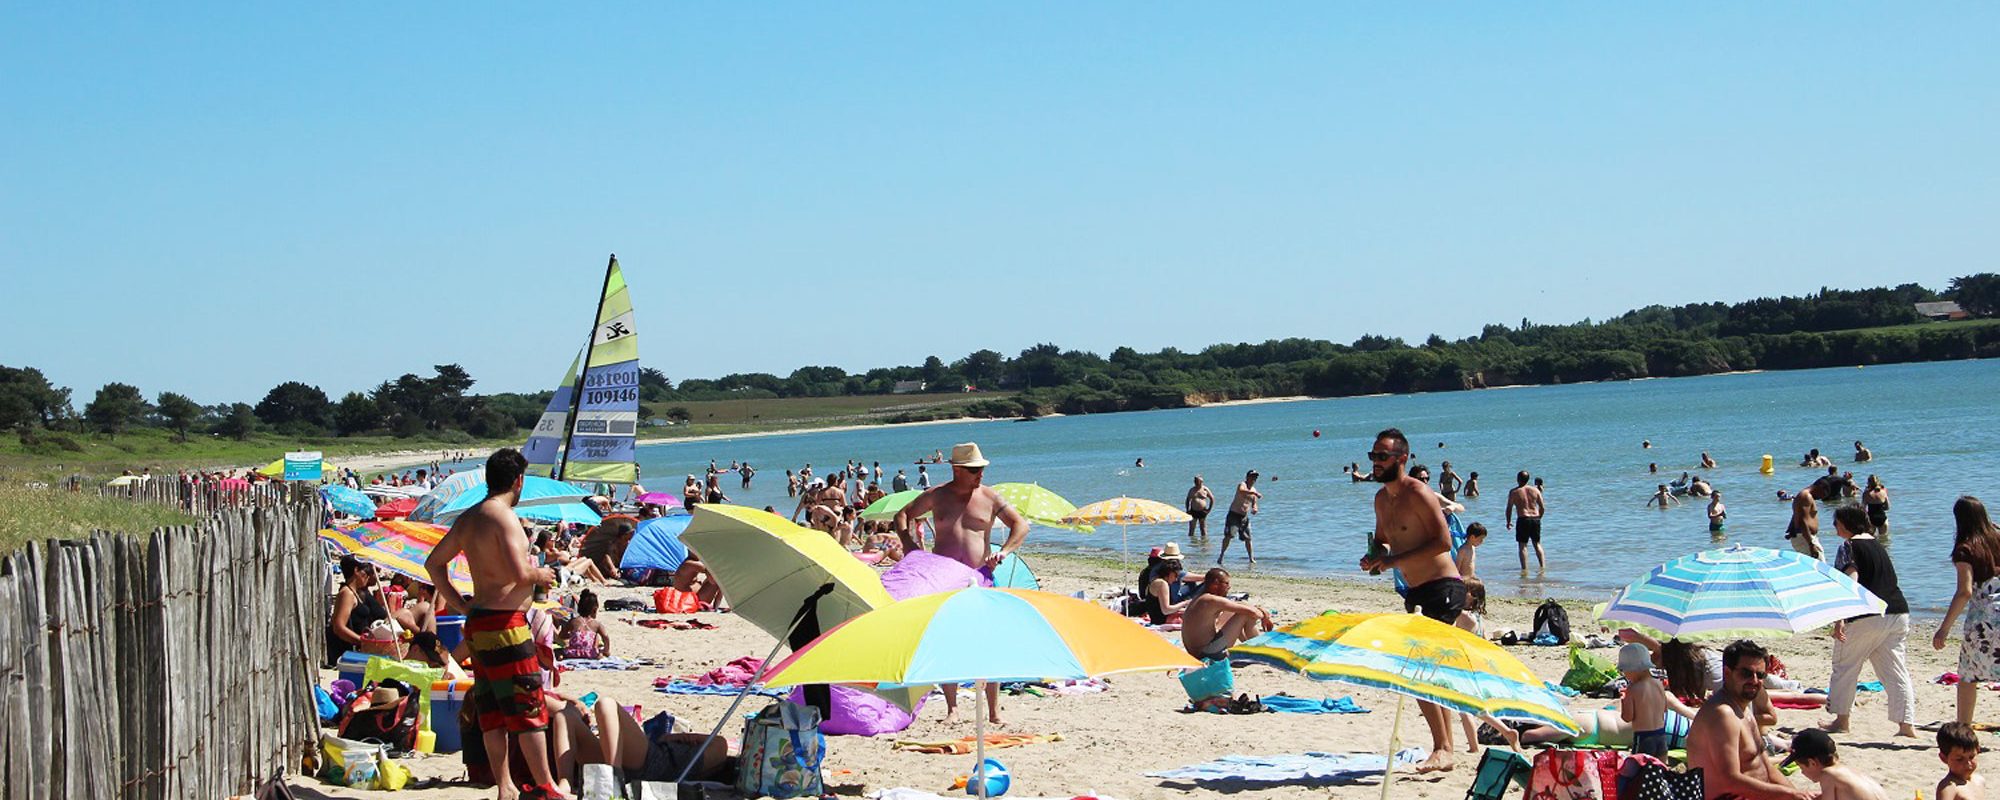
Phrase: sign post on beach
(304, 466)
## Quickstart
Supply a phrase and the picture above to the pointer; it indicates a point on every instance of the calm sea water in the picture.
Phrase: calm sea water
(1934, 429)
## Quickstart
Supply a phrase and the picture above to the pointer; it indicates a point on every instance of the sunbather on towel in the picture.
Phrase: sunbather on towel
(1213, 623)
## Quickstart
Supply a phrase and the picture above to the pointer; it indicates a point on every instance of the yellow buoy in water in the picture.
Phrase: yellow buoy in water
(1766, 469)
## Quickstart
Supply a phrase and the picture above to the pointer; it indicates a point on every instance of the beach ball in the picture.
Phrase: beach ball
(1315, 433)
(997, 780)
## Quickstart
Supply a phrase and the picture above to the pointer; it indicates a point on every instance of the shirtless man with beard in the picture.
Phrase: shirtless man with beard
(1412, 538)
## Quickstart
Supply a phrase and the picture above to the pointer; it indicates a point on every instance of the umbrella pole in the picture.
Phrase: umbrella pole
(979, 737)
(1389, 765)
(754, 681)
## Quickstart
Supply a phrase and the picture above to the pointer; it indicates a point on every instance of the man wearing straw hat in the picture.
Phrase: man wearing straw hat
(963, 514)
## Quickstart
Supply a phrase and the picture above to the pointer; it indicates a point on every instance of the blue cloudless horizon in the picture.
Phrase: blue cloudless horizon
(213, 199)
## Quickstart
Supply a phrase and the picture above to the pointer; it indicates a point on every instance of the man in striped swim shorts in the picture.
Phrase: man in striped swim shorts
(507, 682)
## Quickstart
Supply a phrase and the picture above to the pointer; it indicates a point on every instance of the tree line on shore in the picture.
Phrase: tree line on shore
(1834, 327)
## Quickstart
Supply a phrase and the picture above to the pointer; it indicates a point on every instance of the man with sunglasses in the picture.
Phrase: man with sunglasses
(1412, 538)
(1726, 743)
(963, 514)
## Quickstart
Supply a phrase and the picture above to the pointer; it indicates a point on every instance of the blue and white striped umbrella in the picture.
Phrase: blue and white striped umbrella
(1734, 589)
(348, 501)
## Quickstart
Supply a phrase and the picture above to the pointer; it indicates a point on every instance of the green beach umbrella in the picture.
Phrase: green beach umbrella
(885, 509)
(1040, 505)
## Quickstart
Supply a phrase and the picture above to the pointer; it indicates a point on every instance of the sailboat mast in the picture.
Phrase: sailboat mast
(576, 399)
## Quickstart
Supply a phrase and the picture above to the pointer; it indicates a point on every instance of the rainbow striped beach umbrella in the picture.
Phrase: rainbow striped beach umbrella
(1730, 590)
(400, 547)
(979, 635)
(1414, 656)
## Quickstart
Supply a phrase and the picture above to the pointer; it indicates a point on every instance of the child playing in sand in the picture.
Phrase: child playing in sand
(1645, 701)
(585, 636)
(1958, 748)
(1813, 751)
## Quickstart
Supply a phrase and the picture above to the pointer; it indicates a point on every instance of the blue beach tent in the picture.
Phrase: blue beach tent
(657, 544)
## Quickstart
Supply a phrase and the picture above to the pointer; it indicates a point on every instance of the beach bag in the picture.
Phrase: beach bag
(1214, 680)
(1656, 782)
(382, 670)
(1629, 771)
(1551, 618)
(393, 725)
(1574, 775)
(1588, 672)
(323, 705)
(782, 748)
(674, 601)
(1498, 768)
(359, 765)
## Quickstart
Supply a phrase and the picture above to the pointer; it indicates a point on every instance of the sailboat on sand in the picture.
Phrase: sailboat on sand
(587, 434)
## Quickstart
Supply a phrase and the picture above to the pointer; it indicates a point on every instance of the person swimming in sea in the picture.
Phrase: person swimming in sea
(1664, 497)
(1716, 514)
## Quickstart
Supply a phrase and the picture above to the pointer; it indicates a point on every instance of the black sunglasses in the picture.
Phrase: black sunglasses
(1377, 455)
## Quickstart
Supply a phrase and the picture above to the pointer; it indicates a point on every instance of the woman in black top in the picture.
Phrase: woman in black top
(1874, 639)
(357, 606)
(1157, 601)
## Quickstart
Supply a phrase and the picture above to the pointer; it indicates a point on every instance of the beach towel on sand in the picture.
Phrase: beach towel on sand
(1308, 705)
(959, 747)
(713, 690)
(906, 793)
(1316, 767)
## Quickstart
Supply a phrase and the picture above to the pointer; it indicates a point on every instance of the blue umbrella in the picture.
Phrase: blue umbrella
(1013, 573)
(657, 545)
(1727, 591)
(348, 501)
(466, 489)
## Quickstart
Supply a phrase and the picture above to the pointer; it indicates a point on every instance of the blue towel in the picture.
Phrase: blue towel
(1561, 689)
(690, 687)
(1314, 767)
(1306, 705)
(1871, 686)
(1546, 640)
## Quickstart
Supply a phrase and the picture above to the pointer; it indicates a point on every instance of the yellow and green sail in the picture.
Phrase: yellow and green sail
(606, 423)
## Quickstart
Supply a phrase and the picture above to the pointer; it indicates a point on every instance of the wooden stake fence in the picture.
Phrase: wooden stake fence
(173, 665)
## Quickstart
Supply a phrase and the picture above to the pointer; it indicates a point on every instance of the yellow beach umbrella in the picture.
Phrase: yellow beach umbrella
(768, 567)
(1124, 511)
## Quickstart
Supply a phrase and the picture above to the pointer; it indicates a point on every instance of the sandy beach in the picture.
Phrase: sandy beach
(1111, 740)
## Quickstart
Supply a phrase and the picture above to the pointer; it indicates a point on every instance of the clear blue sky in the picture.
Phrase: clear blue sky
(213, 199)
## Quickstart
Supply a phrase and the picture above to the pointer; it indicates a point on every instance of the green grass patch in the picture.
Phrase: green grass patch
(755, 415)
(33, 514)
(56, 455)
(1924, 326)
